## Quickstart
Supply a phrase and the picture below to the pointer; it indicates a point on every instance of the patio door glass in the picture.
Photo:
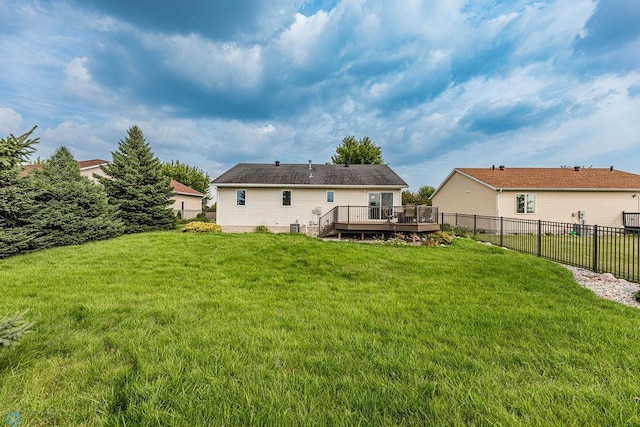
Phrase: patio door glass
(387, 205)
(380, 205)
(374, 205)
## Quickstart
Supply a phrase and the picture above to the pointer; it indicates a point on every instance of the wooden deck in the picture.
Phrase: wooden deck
(386, 220)
(631, 221)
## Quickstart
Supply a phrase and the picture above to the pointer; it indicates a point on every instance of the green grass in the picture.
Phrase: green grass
(259, 329)
(617, 254)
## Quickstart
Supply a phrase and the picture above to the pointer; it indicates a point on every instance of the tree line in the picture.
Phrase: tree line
(54, 205)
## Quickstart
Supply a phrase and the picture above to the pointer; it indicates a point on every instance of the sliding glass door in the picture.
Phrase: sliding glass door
(380, 205)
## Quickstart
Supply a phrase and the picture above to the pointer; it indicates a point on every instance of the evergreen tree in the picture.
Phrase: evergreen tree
(137, 187)
(16, 199)
(354, 151)
(12, 329)
(70, 208)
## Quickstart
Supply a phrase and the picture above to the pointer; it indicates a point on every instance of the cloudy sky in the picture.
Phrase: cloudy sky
(437, 84)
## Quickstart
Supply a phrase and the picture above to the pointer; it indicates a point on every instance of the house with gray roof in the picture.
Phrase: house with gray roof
(287, 197)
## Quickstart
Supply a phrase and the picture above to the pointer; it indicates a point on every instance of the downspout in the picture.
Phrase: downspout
(498, 202)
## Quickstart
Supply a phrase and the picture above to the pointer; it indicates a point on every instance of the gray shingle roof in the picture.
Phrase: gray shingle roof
(299, 174)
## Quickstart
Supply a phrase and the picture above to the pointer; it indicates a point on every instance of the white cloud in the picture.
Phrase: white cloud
(300, 42)
(220, 66)
(10, 122)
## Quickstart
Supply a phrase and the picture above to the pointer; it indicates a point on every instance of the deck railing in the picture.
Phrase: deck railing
(601, 249)
(631, 220)
(407, 214)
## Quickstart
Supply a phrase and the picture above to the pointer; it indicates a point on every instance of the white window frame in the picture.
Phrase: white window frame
(282, 198)
(333, 196)
(529, 198)
(238, 198)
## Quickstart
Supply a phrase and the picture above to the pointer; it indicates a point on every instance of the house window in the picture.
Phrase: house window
(526, 203)
(286, 197)
(330, 196)
(241, 197)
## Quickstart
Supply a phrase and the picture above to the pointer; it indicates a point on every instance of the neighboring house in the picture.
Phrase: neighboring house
(596, 196)
(187, 201)
(278, 195)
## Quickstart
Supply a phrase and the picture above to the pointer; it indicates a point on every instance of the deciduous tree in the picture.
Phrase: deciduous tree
(354, 151)
(188, 175)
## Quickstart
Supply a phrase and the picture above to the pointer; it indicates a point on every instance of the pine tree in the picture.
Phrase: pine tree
(70, 208)
(137, 187)
(16, 202)
(12, 330)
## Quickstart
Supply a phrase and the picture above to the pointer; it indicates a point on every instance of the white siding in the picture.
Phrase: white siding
(263, 206)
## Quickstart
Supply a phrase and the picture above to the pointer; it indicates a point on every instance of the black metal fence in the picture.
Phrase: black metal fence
(597, 248)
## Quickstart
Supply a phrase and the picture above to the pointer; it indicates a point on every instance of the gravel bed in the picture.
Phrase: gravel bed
(605, 285)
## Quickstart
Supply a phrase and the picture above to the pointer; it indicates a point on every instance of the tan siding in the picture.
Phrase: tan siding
(192, 205)
(263, 206)
(601, 208)
(466, 196)
(89, 172)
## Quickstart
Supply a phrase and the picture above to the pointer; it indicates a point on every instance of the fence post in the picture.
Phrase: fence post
(441, 217)
(475, 219)
(595, 248)
(539, 237)
(501, 231)
(348, 214)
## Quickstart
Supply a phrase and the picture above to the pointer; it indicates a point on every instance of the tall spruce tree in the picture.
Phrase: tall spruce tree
(136, 186)
(16, 202)
(70, 208)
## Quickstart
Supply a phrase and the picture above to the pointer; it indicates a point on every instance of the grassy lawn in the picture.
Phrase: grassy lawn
(258, 329)
(618, 254)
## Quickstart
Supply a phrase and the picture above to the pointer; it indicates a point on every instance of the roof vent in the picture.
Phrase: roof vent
(610, 168)
(277, 162)
(501, 167)
(493, 167)
(576, 168)
(309, 164)
(346, 165)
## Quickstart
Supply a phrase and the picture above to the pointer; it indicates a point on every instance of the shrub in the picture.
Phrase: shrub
(261, 229)
(438, 238)
(637, 296)
(201, 227)
(12, 329)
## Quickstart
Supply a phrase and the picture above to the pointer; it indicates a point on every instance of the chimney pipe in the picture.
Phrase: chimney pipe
(493, 167)
(610, 168)
(309, 164)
